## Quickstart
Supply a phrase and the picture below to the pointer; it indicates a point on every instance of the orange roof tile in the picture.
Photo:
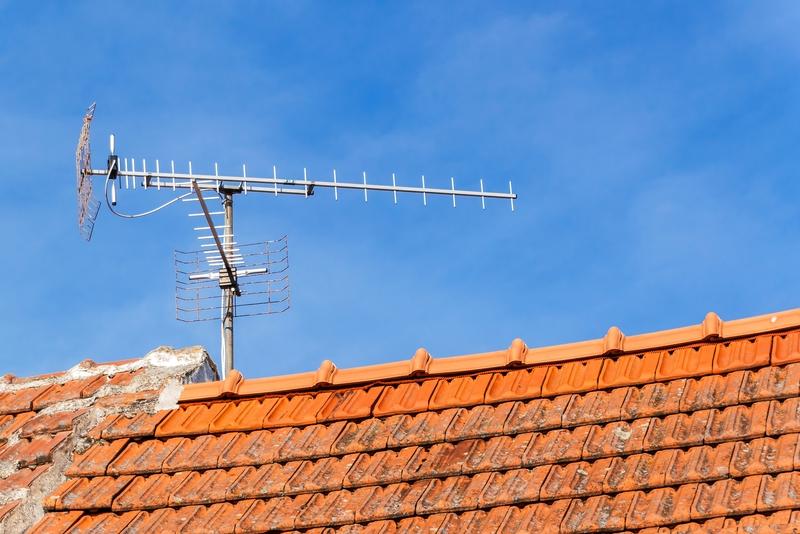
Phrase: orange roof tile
(693, 428)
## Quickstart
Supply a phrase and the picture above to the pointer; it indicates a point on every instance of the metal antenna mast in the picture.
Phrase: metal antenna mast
(251, 276)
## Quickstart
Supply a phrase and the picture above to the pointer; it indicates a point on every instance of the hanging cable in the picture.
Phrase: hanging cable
(144, 213)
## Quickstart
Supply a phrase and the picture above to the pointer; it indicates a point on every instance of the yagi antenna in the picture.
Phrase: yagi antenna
(226, 279)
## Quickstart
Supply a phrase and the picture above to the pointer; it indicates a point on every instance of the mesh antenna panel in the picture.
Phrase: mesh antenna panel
(224, 280)
(88, 205)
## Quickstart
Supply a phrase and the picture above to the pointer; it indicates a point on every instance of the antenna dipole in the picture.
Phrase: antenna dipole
(229, 265)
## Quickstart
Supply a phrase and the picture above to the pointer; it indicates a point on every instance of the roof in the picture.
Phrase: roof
(693, 428)
(45, 419)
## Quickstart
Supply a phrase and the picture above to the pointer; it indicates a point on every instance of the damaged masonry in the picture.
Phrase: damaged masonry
(46, 420)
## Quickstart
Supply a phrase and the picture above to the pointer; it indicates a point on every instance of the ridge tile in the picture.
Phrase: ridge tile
(518, 384)
(407, 397)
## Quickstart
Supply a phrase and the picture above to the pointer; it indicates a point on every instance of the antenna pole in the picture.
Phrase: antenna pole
(228, 293)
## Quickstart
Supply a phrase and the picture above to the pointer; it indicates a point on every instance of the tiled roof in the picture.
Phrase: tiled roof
(45, 419)
(693, 429)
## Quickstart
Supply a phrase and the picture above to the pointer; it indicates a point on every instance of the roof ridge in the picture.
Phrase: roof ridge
(518, 354)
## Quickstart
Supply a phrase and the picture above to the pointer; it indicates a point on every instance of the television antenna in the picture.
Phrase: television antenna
(224, 265)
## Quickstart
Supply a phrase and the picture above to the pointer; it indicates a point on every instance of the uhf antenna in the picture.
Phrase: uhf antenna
(226, 279)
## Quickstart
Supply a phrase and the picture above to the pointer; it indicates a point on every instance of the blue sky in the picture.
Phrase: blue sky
(653, 148)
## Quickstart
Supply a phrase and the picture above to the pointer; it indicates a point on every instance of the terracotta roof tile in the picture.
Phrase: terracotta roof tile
(55, 522)
(73, 389)
(408, 397)
(560, 445)
(312, 441)
(11, 423)
(441, 459)
(323, 475)
(535, 518)
(295, 410)
(34, 451)
(102, 523)
(572, 377)
(536, 415)
(677, 430)
(638, 471)
(763, 455)
(712, 391)
(7, 508)
(388, 502)
(349, 404)
(23, 478)
(478, 422)
(784, 416)
(498, 453)
(138, 425)
(632, 369)
(95, 460)
(737, 422)
(241, 416)
(518, 486)
(786, 348)
(595, 407)
(612, 439)
(578, 479)
(86, 493)
(770, 383)
(264, 481)
(368, 435)
(329, 510)
(204, 487)
(726, 497)
(50, 423)
(662, 506)
(653, 399)
(252, 448)
(743, 354)
(189, 420)
(459, 391)
(519, 384)
(699, 463)
(597, 514)
(686, 362)
(201, 452)
(779, 492)
(21, 400)
(453, 494)
(274, 514)
(380, 468)
(142, 458)
(420, 429)
(146, 492)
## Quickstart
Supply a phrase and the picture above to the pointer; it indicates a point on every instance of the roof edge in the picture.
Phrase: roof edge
(516, 355)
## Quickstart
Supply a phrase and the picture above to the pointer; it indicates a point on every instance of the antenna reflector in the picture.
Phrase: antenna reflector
(88, 205)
